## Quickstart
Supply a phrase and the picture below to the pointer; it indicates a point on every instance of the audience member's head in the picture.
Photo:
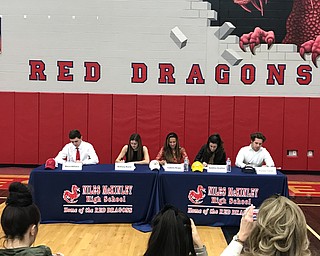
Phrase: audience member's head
(20, 217)
(280, 229)
(171, 234)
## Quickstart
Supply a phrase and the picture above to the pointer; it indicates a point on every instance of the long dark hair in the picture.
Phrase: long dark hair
(136, 137)
(171, 234)
(20, 212)
(168, 154)
(215, 139)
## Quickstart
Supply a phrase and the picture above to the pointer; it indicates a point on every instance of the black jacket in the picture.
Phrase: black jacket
(204, 156)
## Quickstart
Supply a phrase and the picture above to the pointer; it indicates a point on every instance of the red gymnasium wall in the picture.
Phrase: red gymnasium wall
(35, 126)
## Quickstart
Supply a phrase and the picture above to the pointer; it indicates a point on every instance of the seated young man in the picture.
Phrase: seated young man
(77, 151)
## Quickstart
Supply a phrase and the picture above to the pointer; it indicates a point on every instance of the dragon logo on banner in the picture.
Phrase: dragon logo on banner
(197, 197)
(72, 196)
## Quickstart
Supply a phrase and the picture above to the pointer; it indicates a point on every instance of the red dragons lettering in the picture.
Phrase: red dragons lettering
(71, 196)
(196, 197)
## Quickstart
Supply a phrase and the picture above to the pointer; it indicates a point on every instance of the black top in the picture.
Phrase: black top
(134, 157)
(217, 157)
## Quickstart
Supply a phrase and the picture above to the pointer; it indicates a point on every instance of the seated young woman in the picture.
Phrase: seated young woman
(212, 152)
(173, 233)
(134, 151)
(171, 152)
(20, 222)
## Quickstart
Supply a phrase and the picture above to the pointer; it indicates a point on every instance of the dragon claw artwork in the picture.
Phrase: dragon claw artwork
(256, 4)
(255, 38)
(303, 27)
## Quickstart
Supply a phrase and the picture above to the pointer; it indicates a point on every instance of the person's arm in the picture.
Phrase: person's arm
(183, 153)
(199, 247)
(222, 158)
(201, 251)
(123, 152)
(92, 156)
(233, 249)
(268, 159)
(240, 159)
(199, 156)
(146, 159)
(160, 157)
(62, 155)
(246, 226)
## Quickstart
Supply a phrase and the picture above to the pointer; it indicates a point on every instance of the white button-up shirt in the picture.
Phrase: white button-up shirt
(247, 156)
(87, 154)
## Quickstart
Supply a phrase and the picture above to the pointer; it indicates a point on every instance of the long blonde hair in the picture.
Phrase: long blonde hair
(281, 229)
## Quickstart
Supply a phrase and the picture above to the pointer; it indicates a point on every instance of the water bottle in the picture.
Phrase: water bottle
(186, 164)
(228, 163)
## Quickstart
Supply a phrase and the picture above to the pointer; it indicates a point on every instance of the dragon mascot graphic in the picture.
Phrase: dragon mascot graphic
(72, 196)
(196, 197)
(303, 27)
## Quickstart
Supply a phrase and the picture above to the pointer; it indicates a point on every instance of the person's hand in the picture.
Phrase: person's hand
(205, 164)
(195, 235)
(162, 162)
(247, 224)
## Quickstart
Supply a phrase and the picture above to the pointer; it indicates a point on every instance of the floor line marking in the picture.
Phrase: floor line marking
(317, 205)
(304, 182)
(313, 232)
(6, 176)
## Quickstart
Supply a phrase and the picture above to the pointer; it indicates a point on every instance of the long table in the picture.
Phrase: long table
(99, 194)
(96, 194)
(218, 199)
